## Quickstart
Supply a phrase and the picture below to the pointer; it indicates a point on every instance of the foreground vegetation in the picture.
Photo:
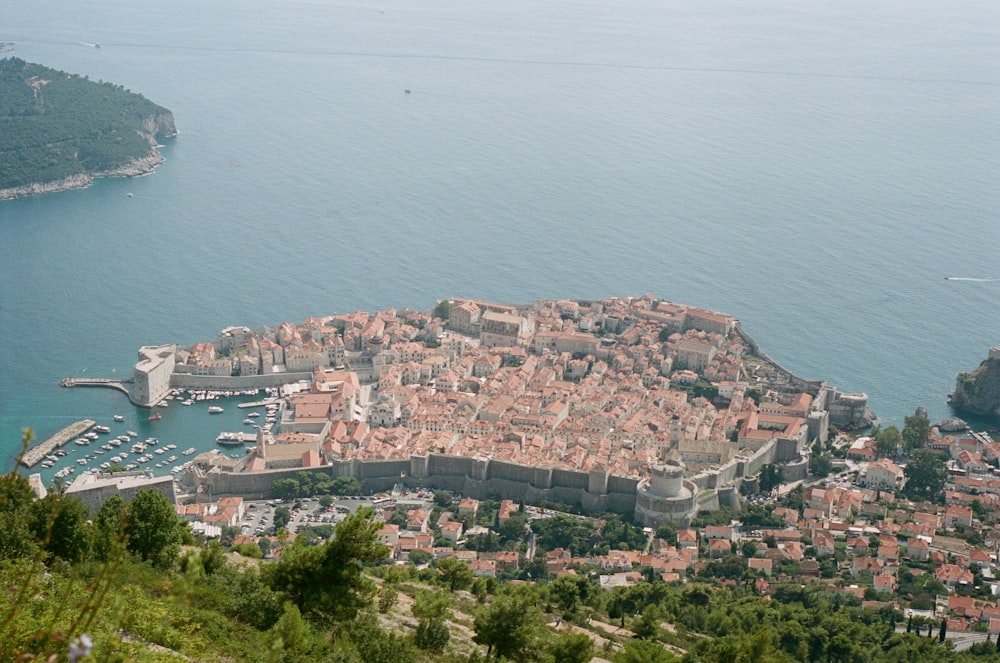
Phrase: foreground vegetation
(129, 582)
(55, 125)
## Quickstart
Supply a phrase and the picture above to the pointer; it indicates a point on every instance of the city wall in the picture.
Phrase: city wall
(483, 478)
(474, 477)
(221, 383)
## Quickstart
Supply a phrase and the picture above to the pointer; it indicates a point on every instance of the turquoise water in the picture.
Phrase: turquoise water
(815, 171)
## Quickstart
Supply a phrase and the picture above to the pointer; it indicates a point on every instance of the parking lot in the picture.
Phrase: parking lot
(307, 511)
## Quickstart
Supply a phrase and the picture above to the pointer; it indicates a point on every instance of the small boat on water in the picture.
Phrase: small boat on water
(154, 417)
(215, 409)
(119, 417)
(102, 429)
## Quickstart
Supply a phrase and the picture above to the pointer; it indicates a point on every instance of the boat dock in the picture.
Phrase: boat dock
(236, 438)
(120, 385)
(266, 401)
(33, 455)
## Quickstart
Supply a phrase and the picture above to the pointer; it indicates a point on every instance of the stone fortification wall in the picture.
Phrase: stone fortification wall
(769, 453)
(441, 465)
(475, 477)
(218, 383)
(797, 470)
(252, 485)
(503, 470)
(707, 501)
(570, 479)
(729, 497)
(483, 478)
(795, 383)
(737, 468)
(621, 485)
(653, 510)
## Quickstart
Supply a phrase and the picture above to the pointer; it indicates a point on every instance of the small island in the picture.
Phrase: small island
(59, 131)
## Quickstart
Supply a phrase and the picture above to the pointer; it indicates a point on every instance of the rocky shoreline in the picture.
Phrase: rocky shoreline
(157, 126)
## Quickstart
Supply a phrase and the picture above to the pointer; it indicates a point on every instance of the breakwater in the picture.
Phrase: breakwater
(33, 455)
(119, 385)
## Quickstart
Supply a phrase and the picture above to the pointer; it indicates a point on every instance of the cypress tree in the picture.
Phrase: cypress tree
(944, 629)
(909, 624)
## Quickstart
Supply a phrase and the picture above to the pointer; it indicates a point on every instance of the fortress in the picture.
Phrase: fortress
(636, 405)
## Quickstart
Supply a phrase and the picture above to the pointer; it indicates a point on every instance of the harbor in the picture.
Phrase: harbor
(266, 401)
(37, 453)
(135, 440)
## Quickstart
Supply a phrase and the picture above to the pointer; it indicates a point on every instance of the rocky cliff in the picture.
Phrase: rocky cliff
(978, 392)
(158, 126)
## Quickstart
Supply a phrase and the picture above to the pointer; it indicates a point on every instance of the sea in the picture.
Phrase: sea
(816, 169)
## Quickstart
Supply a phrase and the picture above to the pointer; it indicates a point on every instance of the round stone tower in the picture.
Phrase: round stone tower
(667, 479)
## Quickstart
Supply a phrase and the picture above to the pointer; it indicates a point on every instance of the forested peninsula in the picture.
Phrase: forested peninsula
(59, 131)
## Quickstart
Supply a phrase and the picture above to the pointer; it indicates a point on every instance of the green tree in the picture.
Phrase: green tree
(643, 651)
(443, 499)
(442, 310)
(152, 529)
(431, 635)
(668, 533)
(292, 634)
(325, 501)
(328, 580)
(370, 644)
(916, 431)
(509, 627)
(431, 610)
(770, 477)
(109, 534)
(346, 486)
(454, 574)
(213, 557)
(569, 590)
(387, 597)
(925, 475)
(431, 605)
(647, 627)
(820, 465)
(514, 528)
(282, 516)
(16, 496)
(59, 524)
(420, 557)
(572, 648)
(889, 440)
(285, 489)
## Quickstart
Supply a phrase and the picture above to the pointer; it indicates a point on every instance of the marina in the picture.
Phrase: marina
(142, 444)
(266, 401)
(38, 453)
(235, 438)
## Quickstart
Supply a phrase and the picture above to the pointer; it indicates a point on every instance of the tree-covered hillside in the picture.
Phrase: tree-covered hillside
(54, 125)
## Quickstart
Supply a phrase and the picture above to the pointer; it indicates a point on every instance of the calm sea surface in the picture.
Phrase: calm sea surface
(815, 169)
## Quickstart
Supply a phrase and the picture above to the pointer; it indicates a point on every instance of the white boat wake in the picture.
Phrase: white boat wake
(967, 278)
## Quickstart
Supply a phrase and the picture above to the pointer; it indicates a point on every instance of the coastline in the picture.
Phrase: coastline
(134, 168)
(156, 126)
